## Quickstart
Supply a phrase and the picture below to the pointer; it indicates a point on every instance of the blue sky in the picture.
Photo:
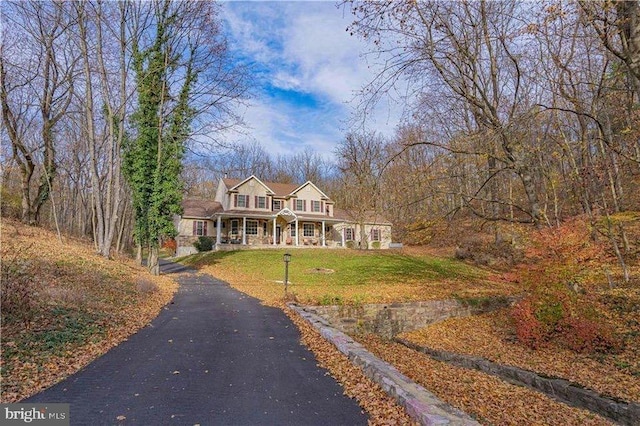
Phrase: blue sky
(307, 68)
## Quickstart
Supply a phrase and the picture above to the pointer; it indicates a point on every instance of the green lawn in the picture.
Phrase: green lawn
(355, 276)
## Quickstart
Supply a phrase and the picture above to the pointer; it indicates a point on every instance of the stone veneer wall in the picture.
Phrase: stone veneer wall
(388, 320)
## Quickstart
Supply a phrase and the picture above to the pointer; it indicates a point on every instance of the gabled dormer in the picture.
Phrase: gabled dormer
(248, 194)
(308, 198)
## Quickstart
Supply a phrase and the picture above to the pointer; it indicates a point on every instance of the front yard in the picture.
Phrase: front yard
(322, 276)
(353, 277)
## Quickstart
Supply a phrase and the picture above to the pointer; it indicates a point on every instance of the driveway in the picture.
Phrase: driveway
(214, 356)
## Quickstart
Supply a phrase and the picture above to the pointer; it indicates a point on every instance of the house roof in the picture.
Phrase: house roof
(240, 182)
(370, 217)
(199, 207)
(279, 189)
(313, 185)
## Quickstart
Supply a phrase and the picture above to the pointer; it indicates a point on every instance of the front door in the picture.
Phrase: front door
(278, 231)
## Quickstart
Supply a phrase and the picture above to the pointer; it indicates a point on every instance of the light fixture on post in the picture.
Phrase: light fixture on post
(287, 259)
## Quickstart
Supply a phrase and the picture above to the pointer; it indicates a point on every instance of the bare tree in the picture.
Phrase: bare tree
(37, 67)
(469, 53)
(361, 161)
(617, 24)
(110, 77)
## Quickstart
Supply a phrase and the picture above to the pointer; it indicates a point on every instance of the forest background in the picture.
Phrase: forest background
(514, 114)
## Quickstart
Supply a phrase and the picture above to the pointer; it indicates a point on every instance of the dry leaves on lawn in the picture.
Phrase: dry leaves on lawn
(489, 399)
(487, 336)
(86, 305)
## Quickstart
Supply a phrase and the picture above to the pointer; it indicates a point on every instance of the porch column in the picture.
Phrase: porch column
(342, 235)
(324, 236)
(218, 230)
(274, 230)
(297, 232)
(244, 231)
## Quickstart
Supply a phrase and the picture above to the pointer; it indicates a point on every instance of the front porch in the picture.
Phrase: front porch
(284, 229)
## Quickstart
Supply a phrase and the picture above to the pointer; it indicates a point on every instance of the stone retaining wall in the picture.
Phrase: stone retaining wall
(421, 405)
(388, 320)
(622, 412)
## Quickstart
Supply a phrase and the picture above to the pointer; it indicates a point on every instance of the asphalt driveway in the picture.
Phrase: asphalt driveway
(214, 356)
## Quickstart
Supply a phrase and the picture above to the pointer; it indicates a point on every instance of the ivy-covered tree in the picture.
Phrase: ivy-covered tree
(182, 75)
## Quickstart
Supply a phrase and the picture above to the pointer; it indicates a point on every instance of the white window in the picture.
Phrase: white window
(309, 229)
(300, 205)
(252, 227)
(349, 234)
(375, 235)
(199, 227)
(315, 206)
(234, 227)
(261, 202)
(277, 205)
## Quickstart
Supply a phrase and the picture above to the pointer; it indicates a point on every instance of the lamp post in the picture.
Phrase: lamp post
(287, 259)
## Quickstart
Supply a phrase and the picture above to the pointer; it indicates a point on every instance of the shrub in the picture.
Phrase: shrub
(485, 253)
(550, 312)
(328, 299)
(540, 319)
(170, 244)
(145, 286)
(19, 293)
(375, 245)
(204, 244)
(11, 206)
(589, 336)
(529, 330)
(350, 244)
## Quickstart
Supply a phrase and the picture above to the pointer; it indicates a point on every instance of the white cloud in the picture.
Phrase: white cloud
(303, 47)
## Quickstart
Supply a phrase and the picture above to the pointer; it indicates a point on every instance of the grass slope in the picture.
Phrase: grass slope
(321, 276)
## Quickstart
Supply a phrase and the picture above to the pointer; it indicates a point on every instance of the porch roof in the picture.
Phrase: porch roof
(200, 208)
(240, 213)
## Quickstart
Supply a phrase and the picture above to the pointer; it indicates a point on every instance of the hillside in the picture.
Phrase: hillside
(63, 306)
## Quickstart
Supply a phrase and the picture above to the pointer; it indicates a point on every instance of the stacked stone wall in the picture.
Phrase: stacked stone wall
(388, 320)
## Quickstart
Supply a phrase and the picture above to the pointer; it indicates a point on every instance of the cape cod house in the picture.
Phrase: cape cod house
(250, 212)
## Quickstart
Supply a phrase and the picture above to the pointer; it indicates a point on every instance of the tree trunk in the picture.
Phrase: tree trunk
(139, 253)
(153, 263)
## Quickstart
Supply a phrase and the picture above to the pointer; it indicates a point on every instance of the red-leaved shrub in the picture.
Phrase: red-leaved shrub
(589, 336)
(170, 244)
(539, 320)
(529, 329)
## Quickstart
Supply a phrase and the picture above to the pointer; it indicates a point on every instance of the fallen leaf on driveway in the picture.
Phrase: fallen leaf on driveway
(176, 372)
(121, 418)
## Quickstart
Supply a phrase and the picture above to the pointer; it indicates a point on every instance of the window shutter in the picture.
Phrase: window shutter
(235, 200)
(256, 201)
(195, 227)
(304, 205)
(321, 206)
(204, 228)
